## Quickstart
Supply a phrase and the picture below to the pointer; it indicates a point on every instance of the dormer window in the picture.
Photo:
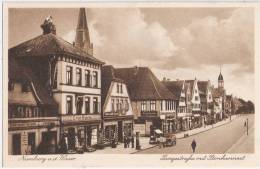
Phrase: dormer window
(25, 87)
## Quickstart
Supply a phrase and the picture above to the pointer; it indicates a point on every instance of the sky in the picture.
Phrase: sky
(176, 43)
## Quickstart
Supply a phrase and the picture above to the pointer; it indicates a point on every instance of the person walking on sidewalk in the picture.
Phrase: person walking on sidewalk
(133, 141)
(193, 145)
(125, 142)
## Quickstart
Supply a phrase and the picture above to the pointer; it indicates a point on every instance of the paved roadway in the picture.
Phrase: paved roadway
(215, 141)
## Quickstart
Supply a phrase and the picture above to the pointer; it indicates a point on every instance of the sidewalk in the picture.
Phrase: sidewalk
(144, 141)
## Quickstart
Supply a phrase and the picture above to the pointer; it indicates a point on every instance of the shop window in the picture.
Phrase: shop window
(87, 78)
(31, 143)
(79, 105)
(78, 76)
(69, 75)
(87, 105)
(153, 105)
(69, 105)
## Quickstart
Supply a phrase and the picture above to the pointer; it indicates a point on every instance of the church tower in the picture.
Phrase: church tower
(220, 80)
(82, 39)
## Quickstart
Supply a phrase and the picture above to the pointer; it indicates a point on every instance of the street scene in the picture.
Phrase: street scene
(123, 81)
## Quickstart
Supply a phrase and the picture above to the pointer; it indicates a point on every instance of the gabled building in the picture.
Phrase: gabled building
(117, 113)
(154, 106)
(195, 103)
(71, 75)
(180, 90)
(206, 99)
(33, 123)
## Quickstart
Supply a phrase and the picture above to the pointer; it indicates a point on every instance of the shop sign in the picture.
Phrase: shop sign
(32, 124)
(80, 117)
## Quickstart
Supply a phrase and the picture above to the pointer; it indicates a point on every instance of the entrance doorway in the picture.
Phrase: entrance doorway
(16, 144)
(120, 131)
(31, 142)
(71, 138)
(49, 140)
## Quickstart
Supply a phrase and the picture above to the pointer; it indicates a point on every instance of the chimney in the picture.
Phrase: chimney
(48, 26)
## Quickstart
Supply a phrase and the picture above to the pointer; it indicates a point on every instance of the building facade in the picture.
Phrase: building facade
(33, 123)
(153, 104)
(117, 113)
(71, 76)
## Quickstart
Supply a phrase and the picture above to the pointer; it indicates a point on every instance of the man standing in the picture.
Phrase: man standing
(193, 145)
(133, 141)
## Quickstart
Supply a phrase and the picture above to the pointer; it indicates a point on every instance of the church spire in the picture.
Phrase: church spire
(82, 39)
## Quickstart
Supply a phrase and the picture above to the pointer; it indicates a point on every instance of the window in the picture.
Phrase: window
(69, 105)
(112, 105)
(78, 76)
(95, 105)
(87, 78)
(69, 75)
(117, 88)
(87, 105)
(79, 105)
(95, 79)
(153, 105)
(126, 105)
(121, 88)
(143, 106)
(10, 86)
(117, 105)
(196, 98)
(25, 87)
(55, 79)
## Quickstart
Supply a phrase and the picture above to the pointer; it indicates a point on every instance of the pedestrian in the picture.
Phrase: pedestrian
(128, 141)
(133, 141)
(125, 142)
(193, 145)
(160, 142)
(245, 124)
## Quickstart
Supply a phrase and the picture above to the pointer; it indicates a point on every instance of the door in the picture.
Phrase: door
(49, 140)
(31, 142)
(16, 144)
(120, 131)
(71, 138)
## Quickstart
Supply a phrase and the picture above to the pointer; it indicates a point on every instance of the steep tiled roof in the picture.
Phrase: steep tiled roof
(175, 87)
(19, 73)
(143, 84)
(50, 44)
(107, 76)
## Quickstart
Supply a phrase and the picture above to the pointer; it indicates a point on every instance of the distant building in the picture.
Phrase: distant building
(117, 113)
(219, 97)
(181, 90)
(154, 106)
(33, 123)
(72, 76)
(206, 99)
(195, 103)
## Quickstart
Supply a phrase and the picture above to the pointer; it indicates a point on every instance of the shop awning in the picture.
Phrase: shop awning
(196, 115)
(157, 131)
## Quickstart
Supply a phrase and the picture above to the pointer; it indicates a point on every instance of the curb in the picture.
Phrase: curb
(183, 137)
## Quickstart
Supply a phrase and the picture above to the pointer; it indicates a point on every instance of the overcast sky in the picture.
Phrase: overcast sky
(177, 43)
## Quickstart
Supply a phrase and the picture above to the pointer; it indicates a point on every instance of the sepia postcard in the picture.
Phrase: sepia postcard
(131, 84)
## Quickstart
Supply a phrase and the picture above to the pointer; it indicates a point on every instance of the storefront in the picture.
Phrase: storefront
(33, 136)
(118, 128)
(196, 120)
